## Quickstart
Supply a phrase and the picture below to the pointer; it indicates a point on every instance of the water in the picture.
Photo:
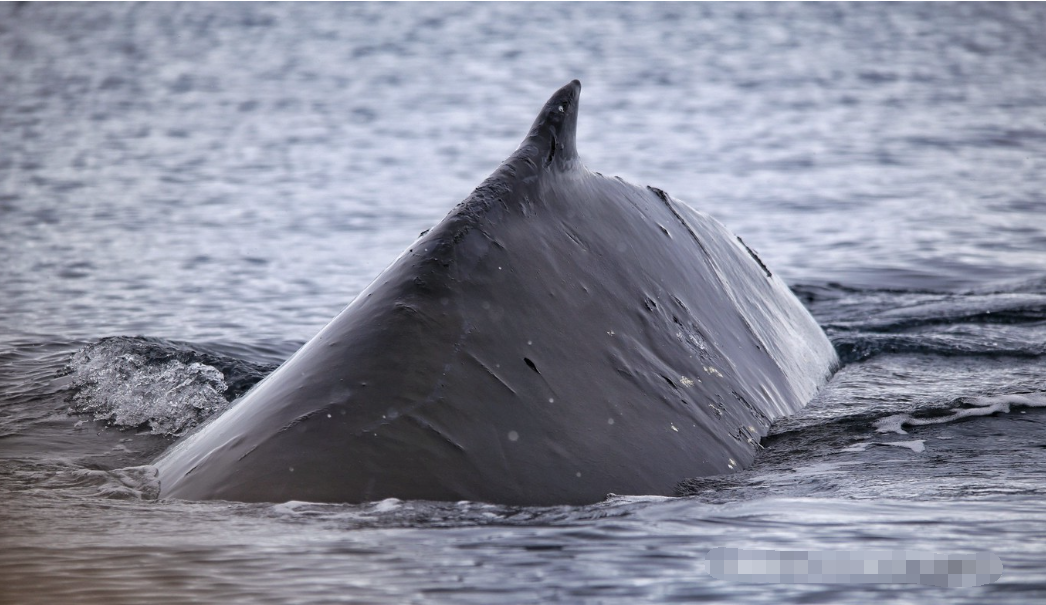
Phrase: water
(209, 185)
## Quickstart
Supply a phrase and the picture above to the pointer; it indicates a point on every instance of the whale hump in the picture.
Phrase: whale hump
(553, 136)
(559, 336)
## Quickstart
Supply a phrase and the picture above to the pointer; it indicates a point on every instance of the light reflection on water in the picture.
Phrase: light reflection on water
(629, 548)
(258, 165)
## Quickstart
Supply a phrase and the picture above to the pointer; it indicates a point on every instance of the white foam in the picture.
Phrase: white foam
(918, 445)
(984, 406)
(290, 507)
(127, 390)
(637, 499)
(892, 424)
(387, 505)
(856, 447)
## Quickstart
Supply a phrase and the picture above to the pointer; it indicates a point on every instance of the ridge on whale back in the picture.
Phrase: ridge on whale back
(555, 129)
(559, 336)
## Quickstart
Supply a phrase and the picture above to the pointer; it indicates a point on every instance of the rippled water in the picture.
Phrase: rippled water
(210, 184)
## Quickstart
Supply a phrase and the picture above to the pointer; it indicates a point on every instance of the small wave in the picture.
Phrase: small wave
(916, 445)
(865, 323)
(392, 512)
(155, 385)
(860, 346)
(897, 309)
(73, 478)
(131, 483)
(998, 308)
(974, 406)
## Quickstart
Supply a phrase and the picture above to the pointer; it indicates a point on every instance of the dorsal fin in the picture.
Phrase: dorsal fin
(554, 132)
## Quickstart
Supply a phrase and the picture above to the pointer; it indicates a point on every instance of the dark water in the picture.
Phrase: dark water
(209, 184)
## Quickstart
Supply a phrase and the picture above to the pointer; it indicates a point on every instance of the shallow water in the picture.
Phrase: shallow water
(222, 179)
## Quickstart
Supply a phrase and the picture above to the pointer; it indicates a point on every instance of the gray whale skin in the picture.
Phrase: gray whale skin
(559, 336)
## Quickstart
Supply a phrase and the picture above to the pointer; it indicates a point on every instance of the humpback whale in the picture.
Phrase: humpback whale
(560, 335)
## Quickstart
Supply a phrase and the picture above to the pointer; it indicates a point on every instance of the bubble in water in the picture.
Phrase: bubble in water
(129, 390)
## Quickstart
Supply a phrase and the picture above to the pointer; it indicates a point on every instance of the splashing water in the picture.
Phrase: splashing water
(128, 389)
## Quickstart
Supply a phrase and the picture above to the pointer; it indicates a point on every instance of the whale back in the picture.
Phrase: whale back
(559, 336)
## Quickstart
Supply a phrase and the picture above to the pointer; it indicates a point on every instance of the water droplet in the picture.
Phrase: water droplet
(513, 436)
(610, 421)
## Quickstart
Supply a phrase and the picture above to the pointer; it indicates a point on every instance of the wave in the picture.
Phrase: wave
(967, 407)
(152, 384)
(859, 346)
(973, 447)
(992, 322)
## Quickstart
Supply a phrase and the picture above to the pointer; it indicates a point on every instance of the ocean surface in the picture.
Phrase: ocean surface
(189, 192)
